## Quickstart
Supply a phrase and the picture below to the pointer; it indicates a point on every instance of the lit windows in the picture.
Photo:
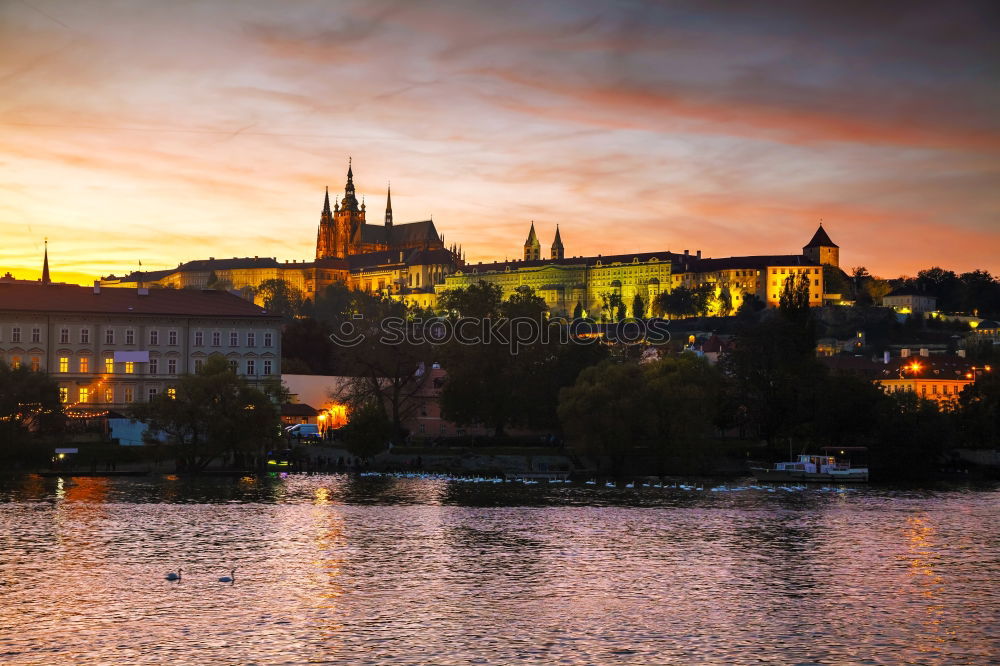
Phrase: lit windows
(85, 336)
(129, 394)
(154, 337)
(172, 393)
(129, 367)
(129, 336)
(15, 362)
(64, 336)
(171, 337)
(109, 395)
(109, 365)
(63, 364)
(84, 364)
(63, 394)
(84, 395)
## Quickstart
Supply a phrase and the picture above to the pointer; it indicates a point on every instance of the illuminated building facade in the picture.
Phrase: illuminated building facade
(565, 282)
(109, 347)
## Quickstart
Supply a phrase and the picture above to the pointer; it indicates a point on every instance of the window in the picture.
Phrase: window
(129, 394)
(234, 365)
(109, 395)
(15, 362)
(109, 365)
(198, 364)
(172, 393)
(234, 339)
(129, 367)
(64, 335)
(63, 394)
(109, 336)
(251, 367)
(152, 393)
(172, 366)
(815, 283)
(36, 364)
(15, 334)
(154, 366)
(85, 336)
(251, 339)
(216, 339)
(154, 337)
(64, 364)
(267, 339)
(36, 335)
(267, 366)
(84, 364)
(85, 395)
(129, 336)
(199, 338)
(171, 337)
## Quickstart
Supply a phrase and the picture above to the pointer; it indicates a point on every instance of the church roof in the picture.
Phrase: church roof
(821, 239)
(408, 232)
(410, 257)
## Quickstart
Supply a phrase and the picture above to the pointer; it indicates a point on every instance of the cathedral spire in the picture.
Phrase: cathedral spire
(326, 201)
(557, 247)
(45, 264)
(350, 201)
(532, 248)
(388, 206)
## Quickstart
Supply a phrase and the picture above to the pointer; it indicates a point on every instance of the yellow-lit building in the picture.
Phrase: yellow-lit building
(565, 282)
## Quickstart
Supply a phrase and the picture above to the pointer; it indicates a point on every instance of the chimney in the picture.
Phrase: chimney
(686, 253)
(97, 286)
(925, 352)
(885, 357)
(904, 353)
(698, 253)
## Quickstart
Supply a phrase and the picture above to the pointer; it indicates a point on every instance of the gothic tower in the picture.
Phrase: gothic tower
(557, 247)
(821, 249)
(325, 241)
(532, 248)
(388, 215)
(45, 265)
(348, 219)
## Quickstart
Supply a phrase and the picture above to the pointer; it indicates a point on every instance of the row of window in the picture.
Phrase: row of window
(774, 283)
(794, 271)
(152, 368)
(154, 337)
(87, 394)
(945, 389)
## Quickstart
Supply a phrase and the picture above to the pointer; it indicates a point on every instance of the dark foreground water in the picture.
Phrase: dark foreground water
(337, 569)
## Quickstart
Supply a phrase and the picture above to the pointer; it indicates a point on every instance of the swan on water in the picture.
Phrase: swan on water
(230, 578)
(173, 576)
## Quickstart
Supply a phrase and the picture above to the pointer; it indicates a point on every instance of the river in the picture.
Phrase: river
(349, 569)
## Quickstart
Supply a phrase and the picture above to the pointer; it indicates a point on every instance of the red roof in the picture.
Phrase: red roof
(118, 300)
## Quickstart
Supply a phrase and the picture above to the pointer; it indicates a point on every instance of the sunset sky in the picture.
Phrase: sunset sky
(171, 131)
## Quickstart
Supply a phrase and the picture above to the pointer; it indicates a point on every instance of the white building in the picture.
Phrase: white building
(109, 347)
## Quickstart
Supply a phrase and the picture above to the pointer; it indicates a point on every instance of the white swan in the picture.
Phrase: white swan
(230, 578)
(173, 576)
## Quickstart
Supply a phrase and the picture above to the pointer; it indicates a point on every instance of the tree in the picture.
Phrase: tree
(578, 311)
(29, 401)
(612, 308)
(211, 413)
(280, 298)
(480, 300)
(750, 305)
(638, 307)
(214, 282)
(306, 343)
(368, 432)
(685, 302)
(725, 299)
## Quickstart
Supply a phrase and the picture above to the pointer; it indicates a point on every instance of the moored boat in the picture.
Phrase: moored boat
(812, 467)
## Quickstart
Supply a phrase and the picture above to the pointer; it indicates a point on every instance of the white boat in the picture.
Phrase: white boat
(812, 467)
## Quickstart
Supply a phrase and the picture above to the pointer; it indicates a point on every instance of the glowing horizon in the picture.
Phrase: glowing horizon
(163, 132)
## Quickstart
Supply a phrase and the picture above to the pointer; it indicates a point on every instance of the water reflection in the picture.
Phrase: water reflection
(385, 570)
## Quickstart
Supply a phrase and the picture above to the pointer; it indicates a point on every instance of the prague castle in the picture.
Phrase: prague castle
(410, 262)
(568, 282)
